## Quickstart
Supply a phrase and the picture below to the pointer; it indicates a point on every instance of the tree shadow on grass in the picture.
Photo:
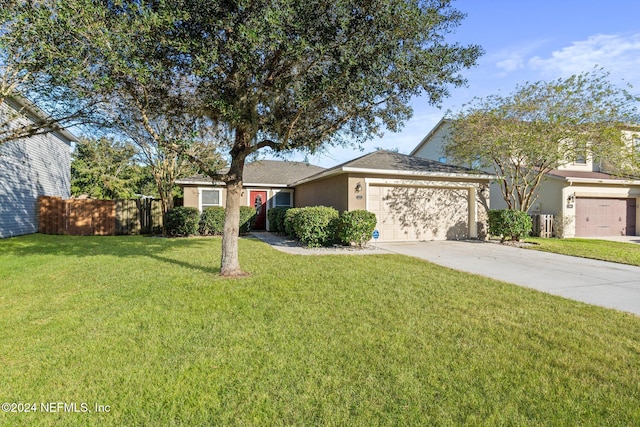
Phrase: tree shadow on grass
(117, 246)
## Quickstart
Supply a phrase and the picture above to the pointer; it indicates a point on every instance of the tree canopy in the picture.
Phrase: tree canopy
(284, 75)
(541, 126)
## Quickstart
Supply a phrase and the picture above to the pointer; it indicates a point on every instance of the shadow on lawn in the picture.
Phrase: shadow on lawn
(118, 246)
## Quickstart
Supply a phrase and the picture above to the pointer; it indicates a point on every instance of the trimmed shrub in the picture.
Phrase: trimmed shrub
(316, 226)
(247, 218)
(276, 218)
(182, 221)
(508, 223)
(212, 221)
(289, 218)
(356, 227)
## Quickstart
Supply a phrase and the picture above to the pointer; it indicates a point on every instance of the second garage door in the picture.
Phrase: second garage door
(599, 217)
(420, 213)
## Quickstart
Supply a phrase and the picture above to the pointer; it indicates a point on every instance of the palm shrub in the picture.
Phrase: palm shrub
(182, 221)
(509, 223)
(276, 218)
(356, 227)
(212, 221)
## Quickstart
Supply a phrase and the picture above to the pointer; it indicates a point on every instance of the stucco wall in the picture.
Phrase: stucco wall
(332, 191)
(37, 166)
(550, 198)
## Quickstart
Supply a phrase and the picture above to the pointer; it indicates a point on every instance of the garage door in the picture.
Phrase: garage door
(597, 217)
(419, 213)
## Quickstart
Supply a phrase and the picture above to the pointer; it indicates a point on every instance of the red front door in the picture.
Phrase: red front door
(258, 200)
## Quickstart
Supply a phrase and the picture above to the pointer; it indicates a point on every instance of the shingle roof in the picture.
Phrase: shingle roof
(386, 161)
(266, 172)
(278, 172)
(389, 160)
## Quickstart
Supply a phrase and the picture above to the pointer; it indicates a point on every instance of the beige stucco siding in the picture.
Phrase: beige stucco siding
(549, 200)
(331, 191)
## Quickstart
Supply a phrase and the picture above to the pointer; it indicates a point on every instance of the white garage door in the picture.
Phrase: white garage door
(420, 213)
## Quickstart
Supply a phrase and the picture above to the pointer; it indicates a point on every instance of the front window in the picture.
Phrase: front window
(282, 198)
(209, 198)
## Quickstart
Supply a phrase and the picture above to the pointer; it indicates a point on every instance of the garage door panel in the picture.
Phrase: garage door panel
(601, 217)
(420, 213)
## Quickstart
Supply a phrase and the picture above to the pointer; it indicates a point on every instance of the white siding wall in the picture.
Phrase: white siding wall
(31, 167)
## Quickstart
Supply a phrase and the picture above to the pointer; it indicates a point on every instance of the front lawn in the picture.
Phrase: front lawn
(145, 327)
(624, 253)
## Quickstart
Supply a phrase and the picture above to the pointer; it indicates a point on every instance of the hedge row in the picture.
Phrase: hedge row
(322, 226)
(187, 221)
(314, 226)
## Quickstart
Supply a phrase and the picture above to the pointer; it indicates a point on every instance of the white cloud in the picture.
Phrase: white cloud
(513, 63)
(618, 54)
(513, 58)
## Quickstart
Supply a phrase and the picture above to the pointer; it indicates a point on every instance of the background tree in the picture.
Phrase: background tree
(540, 126)
(281, 75)
(104, 169)
(54, 107)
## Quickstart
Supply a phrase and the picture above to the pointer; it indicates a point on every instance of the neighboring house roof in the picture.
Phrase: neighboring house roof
(272, 173)
(36, 114)
(590, 177)
(392, 163)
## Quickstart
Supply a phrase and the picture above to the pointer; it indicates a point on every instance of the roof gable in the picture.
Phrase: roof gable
(443, 121)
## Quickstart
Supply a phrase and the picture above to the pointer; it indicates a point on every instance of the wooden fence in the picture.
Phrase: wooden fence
(98, 217)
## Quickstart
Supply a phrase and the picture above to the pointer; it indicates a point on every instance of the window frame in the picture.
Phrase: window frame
(202, 206)
(274, 203)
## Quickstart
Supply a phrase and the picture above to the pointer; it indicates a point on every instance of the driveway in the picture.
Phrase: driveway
(600, 283)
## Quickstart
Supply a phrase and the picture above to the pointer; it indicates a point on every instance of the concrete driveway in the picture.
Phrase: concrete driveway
(600, 283)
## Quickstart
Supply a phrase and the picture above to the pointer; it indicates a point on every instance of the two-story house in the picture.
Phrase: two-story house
(30, 167)
(587, 200)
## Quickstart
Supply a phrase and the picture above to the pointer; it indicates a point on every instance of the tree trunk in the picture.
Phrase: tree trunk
(230, 264)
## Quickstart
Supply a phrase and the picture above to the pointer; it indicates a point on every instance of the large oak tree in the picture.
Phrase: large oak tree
(281, 75)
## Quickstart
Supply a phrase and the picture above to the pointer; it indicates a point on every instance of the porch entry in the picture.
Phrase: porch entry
(258, 200)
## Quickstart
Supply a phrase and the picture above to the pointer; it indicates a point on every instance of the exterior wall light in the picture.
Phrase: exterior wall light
(358, 187)
(571, 199)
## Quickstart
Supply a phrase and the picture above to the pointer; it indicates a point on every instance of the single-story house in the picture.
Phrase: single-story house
(30, 167)
(266, 185)
(413, 198)
(584, 199)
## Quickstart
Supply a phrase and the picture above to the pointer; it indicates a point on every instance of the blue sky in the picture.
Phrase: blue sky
(524, 40)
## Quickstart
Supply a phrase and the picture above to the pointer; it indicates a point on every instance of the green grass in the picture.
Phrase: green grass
(620, 252)
(145, 326)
